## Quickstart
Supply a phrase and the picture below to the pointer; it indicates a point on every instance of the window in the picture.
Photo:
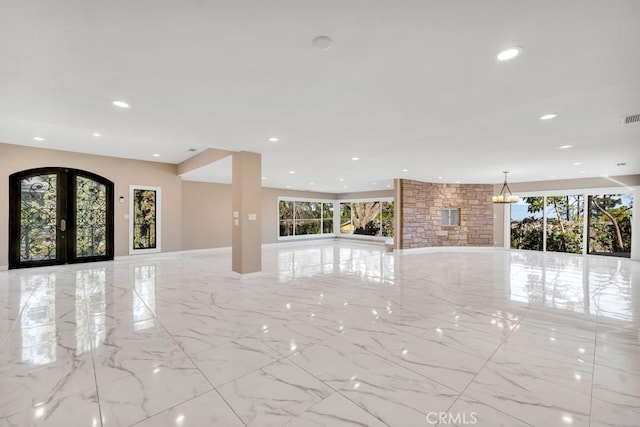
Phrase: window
(557, 223)
(552, 223)
(367, 218)
(345, 218)
(564, 223)
(304, 217)
(610, 224)
(451, 216)
(327, 218)
(527, 230)
(286, 218)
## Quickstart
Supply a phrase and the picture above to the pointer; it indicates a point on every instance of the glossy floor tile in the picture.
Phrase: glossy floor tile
(332, 333)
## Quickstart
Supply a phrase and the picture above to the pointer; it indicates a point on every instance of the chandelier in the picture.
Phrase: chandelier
(505, 195)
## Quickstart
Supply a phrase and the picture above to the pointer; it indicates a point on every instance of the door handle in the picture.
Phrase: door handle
(63, 225)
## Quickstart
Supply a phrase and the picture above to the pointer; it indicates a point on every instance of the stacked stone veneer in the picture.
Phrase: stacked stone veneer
(420, 220)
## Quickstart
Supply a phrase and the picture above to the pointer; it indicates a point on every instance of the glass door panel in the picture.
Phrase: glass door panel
(38, 218)
(90, 218)
(610, 224)
(565, 223)
(527, 224)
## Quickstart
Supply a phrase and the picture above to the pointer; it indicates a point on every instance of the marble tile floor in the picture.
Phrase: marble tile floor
(332, 333)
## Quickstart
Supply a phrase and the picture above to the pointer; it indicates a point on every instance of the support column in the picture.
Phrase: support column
(246, 203)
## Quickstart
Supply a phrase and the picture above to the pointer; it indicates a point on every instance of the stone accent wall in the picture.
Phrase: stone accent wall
(420, 214)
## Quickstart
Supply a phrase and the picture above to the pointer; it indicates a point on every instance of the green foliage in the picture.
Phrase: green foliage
(303, 218)
(569, 240)
(91, 218)
(307, 227)
(144, 219)
(527, 234)
(307, 217)
(345, 217)
(535, 204)
(387, 219)
(609, 224)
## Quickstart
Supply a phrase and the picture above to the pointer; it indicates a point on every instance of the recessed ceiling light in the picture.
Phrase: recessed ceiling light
(340, 179)
(552, 176)
(582, 172)
(439, 177)
(292, 172)
(344, 186)
(97, 135)
(288, 186)
(508, 54)
(121, 104)
(312, 183)
(564, 147)
(156, 155)
(38, 138)
(264, 177)
(388, 185)
(374, 183)
(322, 42)
(567, 419)
(548, 116)
(405, 170)
(355, 158)
(274, 139)
(576, 164)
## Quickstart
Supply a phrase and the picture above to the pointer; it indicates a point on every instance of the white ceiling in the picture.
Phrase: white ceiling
(406, 85)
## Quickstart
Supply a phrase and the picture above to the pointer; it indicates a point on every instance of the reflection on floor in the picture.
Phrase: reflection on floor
(330, 334)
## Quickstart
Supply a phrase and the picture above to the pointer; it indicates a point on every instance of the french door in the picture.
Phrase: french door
(59, 216)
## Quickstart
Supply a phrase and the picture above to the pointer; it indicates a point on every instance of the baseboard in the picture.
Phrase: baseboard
(241, 276)
(296, 242)
(172, 254)
(432, 249)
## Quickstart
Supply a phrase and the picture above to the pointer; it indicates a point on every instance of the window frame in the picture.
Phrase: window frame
(634, 190)
(449, 211)
(320, 235)
(362, 236)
